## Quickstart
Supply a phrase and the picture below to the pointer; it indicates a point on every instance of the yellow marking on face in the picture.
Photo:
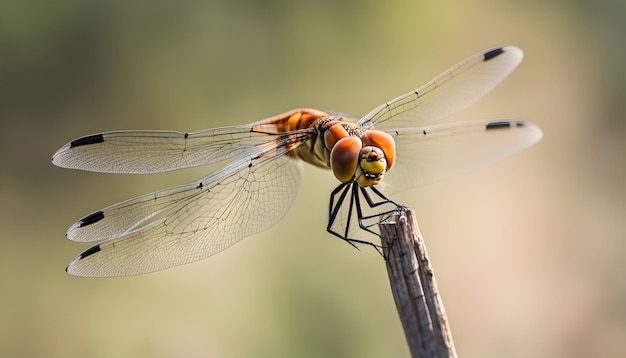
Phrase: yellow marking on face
(372, 166)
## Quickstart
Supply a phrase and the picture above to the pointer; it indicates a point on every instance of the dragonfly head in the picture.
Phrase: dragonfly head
(376, 157)
(365, 158)
(372, 166)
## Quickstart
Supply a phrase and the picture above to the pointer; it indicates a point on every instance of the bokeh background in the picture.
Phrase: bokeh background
(529, 254)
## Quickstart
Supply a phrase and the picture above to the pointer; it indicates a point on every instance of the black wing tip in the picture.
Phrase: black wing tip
(91, 218)
(90, 251)
(493, 53)
(504, 125)
(90, 139)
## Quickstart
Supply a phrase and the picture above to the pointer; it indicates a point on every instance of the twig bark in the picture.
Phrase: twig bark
(414, 288)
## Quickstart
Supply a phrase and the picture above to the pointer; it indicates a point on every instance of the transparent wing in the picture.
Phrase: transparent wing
(450, 92)
(429, 154)
(144, 152)
(189, 222)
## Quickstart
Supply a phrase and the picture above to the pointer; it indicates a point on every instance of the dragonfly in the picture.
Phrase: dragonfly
(398, 145)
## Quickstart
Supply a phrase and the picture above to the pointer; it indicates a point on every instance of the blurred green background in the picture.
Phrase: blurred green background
(529, 254)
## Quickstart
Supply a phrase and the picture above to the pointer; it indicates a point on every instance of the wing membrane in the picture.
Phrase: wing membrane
(435, 153)
(450, 92)
(145, 152)
(190, 222)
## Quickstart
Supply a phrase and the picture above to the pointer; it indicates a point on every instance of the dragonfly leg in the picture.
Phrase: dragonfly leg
(333, 209)
(371, 202)
(380, 216)
(340, 193)
(366, 222)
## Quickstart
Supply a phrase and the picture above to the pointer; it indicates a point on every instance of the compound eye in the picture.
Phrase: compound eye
(333, 134)
(382, 140)
(344, 158)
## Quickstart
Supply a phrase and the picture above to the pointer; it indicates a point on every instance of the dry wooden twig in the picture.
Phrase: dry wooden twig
(414, 288)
